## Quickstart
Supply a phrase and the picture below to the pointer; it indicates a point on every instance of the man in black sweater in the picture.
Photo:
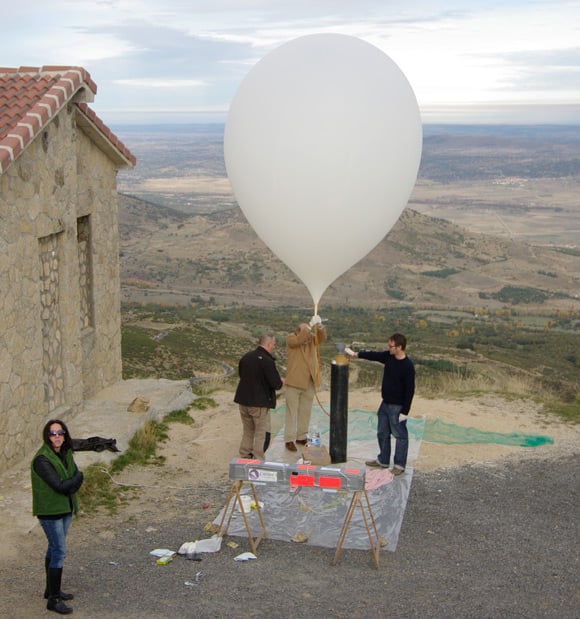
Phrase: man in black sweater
(397, 392)
(256, 395)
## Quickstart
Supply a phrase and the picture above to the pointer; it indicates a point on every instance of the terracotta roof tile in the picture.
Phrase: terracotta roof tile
(30, 97)
(107, 133)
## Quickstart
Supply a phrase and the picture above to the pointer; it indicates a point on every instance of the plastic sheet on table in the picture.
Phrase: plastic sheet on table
(320, 514)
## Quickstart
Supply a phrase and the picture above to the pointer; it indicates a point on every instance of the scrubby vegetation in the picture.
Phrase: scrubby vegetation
(456, 351)
(99, 489)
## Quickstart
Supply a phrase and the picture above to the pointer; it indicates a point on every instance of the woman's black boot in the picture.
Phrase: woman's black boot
(54, 601)
(62, 595)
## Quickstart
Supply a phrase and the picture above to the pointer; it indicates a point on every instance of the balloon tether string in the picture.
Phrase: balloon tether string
(317, 377)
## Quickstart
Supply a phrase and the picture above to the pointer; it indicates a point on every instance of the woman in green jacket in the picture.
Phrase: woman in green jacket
(55, 481)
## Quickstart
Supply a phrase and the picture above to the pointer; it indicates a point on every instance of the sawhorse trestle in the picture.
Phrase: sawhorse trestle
(234, 499)
(368, 519)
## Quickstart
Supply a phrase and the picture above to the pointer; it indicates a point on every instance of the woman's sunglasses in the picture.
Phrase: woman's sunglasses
(57, 433)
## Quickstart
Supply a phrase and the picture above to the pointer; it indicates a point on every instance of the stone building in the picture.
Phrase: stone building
(60, 321)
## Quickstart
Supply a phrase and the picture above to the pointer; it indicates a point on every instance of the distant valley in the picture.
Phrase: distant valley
(494, 220)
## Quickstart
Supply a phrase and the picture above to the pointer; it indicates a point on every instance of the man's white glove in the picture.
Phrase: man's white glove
(403, 417)
(315, 320)
(350, 352)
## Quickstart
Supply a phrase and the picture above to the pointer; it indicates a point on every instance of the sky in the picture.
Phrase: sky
(176, 61)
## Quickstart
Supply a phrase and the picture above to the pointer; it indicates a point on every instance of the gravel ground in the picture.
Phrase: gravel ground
(499, 540)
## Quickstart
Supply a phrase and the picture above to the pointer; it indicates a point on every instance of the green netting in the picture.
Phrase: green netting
(362, 425)
(438, 431)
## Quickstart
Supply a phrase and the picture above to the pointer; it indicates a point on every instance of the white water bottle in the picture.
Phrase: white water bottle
(314, 437)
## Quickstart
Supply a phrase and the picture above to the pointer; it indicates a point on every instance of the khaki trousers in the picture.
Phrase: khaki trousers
(255, 424)
(298, 410)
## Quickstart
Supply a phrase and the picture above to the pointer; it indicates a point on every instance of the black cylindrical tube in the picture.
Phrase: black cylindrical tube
(338, 410)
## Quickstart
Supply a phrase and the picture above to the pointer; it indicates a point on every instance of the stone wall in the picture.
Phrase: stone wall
(60, 327)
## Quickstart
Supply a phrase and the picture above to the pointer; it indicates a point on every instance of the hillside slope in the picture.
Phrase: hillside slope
(167, 255)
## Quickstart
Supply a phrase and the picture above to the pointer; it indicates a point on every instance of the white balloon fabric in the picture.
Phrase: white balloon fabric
(322, 147)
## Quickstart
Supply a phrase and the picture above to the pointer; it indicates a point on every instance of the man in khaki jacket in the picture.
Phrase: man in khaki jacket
(301, 379)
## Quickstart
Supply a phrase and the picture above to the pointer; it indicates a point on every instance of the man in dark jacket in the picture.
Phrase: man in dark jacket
(256, 395)
(397, 390)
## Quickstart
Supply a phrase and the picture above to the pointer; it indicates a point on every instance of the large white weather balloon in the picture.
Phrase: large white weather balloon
(322, 147)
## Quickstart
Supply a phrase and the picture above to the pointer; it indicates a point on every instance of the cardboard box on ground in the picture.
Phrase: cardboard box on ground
(316, 455)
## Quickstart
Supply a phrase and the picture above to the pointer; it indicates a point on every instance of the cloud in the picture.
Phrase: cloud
(160, 83)
(194, 54)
